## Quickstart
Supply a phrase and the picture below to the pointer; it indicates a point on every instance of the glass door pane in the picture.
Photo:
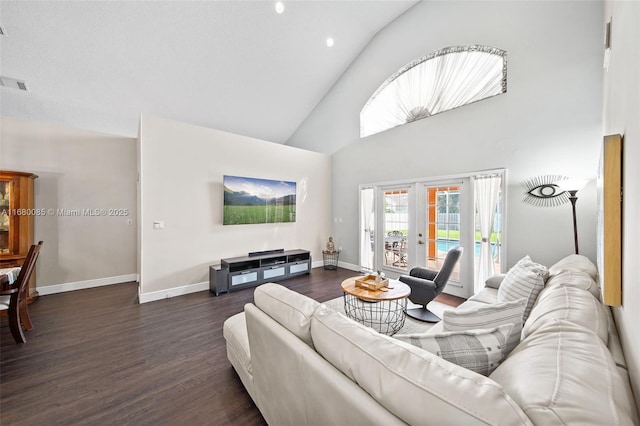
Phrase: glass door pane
(5, 217)
(443, 226)
(395, 228)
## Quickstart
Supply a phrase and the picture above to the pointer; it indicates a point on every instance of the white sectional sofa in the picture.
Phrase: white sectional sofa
(303, 363)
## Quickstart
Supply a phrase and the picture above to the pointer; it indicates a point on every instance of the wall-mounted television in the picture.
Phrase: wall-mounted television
(253, 200)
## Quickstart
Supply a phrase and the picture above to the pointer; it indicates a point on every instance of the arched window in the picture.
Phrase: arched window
(440, 81)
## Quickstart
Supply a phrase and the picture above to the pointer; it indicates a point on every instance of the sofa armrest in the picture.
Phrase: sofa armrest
(415, 282)
(424, 273)
(494, 281)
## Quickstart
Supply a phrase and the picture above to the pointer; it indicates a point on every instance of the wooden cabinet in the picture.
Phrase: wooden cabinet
(17, 213)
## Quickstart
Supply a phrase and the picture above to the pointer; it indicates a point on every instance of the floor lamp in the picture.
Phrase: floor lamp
(572, 186)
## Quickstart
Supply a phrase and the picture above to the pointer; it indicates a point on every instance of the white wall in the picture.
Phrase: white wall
(182, 166)
(621, 115)
(548, 122)
(77, 169)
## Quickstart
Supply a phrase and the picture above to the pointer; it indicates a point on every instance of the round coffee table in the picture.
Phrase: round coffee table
(384, 310)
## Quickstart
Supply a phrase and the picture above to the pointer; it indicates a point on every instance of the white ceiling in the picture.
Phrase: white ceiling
(231, 65)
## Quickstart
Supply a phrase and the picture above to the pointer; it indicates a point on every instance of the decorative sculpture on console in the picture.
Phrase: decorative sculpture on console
(330, 246)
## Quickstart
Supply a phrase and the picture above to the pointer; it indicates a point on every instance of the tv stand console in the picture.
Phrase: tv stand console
(236, 273)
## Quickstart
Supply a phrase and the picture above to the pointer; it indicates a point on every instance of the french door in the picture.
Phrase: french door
(445, 219)
(418, 223)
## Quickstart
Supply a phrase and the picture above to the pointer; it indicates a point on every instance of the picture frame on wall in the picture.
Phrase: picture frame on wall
(249, 200)
(610, 220)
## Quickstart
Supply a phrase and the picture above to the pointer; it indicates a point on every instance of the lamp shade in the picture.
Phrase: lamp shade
(572, 184)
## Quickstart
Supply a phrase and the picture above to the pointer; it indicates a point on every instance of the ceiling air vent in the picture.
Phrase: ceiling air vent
(12, 83)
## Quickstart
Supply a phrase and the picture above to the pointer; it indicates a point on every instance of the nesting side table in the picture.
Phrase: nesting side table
(384, 309)
(330, 259)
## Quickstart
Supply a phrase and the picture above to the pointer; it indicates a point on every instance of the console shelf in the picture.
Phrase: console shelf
(236, 273)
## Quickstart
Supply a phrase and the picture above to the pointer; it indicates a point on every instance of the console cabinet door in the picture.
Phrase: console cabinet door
(242, 278)
(273, 272)
(299, 267)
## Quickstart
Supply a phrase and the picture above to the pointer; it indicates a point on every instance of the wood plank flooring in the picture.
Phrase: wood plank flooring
(97, 357)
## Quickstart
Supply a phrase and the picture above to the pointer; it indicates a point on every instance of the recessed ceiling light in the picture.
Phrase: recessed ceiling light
(330, 42)
(279, 7)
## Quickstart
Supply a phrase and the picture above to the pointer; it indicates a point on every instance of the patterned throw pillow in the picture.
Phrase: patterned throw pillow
(477, 350)
(526, 279)
(488, 316)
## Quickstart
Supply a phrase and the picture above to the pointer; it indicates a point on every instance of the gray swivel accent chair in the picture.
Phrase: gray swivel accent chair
(426, 284)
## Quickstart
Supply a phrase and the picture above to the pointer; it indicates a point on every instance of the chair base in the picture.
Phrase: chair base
(423, 314)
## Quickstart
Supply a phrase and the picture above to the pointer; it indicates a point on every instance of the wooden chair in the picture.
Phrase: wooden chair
(13, 298)
(392, 243)
(400, 253)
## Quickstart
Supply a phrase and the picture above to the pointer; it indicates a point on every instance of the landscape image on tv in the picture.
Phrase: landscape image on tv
(251, 200)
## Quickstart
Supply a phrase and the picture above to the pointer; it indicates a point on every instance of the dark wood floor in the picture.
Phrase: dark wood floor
(97, 357)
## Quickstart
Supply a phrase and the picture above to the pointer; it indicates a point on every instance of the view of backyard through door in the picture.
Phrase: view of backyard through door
(396, 225)
(442, 218)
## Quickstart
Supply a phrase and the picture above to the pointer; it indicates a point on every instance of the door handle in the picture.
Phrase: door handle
(420, 242)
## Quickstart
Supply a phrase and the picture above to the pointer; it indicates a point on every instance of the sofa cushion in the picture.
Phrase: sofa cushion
(412, 383)
(526, 279)
(571, 304)
(486, 296)
(576, 279)
(477, 350)
(489, 316)
(564, 374)
(574, 263)
(291, 310)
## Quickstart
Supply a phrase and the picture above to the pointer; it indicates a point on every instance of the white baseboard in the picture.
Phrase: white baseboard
(193, 288)
(154, 295)
(80, 285)
(349, 266)
(173, 292)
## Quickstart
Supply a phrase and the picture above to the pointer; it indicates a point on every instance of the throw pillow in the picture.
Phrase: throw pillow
(488, 316)
(494, 281)
(526, 279)
(477, 350)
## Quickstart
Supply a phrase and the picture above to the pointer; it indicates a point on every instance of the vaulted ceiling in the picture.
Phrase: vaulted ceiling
(236, 66)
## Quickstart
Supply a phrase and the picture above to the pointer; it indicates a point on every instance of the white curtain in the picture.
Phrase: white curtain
(486, 194)
(438, 82)
(366, 219)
